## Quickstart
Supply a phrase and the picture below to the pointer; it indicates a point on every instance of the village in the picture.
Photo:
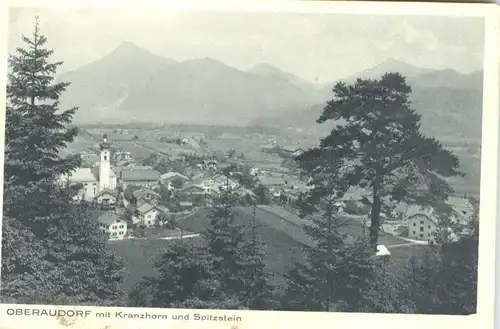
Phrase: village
(148, 198)
(246, 168)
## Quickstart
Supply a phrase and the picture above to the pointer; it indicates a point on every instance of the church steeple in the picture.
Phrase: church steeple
(104, 144)
(104, 166)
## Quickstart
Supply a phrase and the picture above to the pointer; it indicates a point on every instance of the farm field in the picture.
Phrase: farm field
(282, 245)
(136, 150)
(138, 256)
(142, 134)
(250, 147)
(279, 249)
(170, 149)
(79, 144)
(352, 227)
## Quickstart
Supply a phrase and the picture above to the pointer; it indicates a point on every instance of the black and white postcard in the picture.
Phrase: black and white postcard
(194, 165)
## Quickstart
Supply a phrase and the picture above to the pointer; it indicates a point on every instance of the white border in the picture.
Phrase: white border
(254, 319)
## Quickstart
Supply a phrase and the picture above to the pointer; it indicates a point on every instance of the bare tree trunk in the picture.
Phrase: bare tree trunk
(329, 283)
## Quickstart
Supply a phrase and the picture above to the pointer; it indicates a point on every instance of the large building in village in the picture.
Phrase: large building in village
(101, 180)
(423, 222)
(95, 179)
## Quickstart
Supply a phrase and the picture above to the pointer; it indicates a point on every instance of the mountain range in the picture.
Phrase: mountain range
(131, 84)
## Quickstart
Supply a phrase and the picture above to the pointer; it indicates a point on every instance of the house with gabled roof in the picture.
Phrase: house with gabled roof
(147, 214)
(172, 175)
(215, 183)
(139, 177)
(424, 221)
(192, 193)
(192, 190)
(106, 197)
(112, 224)
(144, 195)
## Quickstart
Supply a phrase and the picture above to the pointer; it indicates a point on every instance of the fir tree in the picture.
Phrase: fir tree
(382, 149)
(141, 294)
(311, 285)
(23, 275)
(421, 277)
(365, 284)
(36, 129)
(317, 277)
(77, 248)
(258, 292)
(65, 258)
(236, 257)
(185, 278)
(340, 272)
(225, 239)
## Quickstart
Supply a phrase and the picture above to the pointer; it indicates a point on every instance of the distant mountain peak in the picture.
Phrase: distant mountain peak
(125, 44)
(391, 64)
(265, 69)
(393, 60)
(205, 63)
(210, 60)
(129, 53)
(128, 47)
(396, 63)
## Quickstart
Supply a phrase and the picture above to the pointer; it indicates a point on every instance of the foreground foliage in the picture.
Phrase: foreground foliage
(52, 249)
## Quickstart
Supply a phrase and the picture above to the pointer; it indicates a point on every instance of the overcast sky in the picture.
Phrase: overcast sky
(317, 47)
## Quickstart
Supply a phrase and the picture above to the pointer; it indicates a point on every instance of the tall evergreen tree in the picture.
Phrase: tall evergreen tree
(312, 285)
(36, 129)
(365, 284)
(340, 272)
(58, 239)
(258, 292)
(185, 278)
(225, 239)
(379, 141)
(236, 256)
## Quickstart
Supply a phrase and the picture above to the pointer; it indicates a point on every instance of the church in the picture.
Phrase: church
(96, 180)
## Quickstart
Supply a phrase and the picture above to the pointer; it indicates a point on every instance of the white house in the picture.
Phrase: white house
(214, 184)
(113, 225)
(148, 214)
(95, 179)
(421, 224)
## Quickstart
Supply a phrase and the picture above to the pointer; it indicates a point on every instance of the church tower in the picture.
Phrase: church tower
(104, 166)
